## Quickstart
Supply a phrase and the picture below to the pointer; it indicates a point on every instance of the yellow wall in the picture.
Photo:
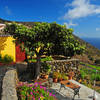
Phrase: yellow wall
(7, 46)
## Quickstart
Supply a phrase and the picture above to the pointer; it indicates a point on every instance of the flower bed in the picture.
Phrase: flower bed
(33, 92)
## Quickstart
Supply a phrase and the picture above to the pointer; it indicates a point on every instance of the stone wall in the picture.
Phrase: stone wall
(9, 85)
(21, 67)
(3, 70)
(64, 65)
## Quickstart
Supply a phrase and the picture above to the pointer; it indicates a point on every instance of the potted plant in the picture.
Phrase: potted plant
(46, 70)
(64, 76)
(71, 74)
(55, 76)
(60, 77)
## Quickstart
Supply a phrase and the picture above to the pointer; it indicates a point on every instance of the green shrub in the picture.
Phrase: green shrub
(55, 74)
(94, 76)
(90, 72)
(64, 76)
(98, 77)
(48, 58)
(46, 68)
(83, 73)
(7, 59)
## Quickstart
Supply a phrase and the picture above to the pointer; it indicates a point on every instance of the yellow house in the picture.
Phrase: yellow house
(7, 46)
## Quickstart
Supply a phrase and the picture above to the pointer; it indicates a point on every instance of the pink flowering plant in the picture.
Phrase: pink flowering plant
(34, 91)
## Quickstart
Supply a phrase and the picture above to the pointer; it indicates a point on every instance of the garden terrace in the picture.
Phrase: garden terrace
(89, 73)
(64, 66)
(54, 89)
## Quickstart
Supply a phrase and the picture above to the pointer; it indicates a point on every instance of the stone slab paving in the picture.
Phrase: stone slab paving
(67, 94)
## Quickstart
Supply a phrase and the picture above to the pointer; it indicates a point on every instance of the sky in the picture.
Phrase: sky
(81, 15)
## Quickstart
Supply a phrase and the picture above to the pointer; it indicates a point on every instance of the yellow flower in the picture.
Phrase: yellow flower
(41, 98)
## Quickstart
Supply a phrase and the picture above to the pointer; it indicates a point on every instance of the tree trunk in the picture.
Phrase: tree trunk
(26, 58)
(37, 67)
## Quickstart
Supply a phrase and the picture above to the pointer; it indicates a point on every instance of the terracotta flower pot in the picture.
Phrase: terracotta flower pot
(70, 77)
(45, 76)
(55, 80)
(60, 79)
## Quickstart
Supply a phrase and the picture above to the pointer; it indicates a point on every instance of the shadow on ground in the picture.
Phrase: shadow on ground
(61, 96)
(58, 95)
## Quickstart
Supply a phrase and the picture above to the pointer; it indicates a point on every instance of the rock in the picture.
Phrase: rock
(9, 85)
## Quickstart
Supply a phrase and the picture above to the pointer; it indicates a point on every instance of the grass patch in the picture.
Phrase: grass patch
(91, 73)
(92, 66)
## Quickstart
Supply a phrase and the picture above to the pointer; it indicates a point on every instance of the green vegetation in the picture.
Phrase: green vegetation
(64, 76)
(33, 92)
(6, 59)
(48, 58)
(92, 66)
(86, 72)
(45, 68)
(90, 50)
(51, 38)
(55, 74)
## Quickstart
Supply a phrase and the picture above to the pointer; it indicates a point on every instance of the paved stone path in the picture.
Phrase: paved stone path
(67, 94)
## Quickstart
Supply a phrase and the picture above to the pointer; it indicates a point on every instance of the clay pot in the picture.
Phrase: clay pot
(45, 76)
(70, 77)
(55, 80)
(60, 79)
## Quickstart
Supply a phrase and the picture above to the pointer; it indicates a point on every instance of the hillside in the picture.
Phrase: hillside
(3, 21)
(25, 23)
(91, 51)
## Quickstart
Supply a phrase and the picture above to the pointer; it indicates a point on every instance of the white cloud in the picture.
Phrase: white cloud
(81, 8)
(8, 11)
(97, 29)
(68, 25)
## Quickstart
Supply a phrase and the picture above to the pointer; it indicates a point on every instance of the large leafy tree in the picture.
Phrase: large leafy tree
(51, 38)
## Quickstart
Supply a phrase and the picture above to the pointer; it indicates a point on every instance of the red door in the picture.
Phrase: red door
(20, 56)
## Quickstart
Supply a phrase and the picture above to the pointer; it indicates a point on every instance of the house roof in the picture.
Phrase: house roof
(2, 26)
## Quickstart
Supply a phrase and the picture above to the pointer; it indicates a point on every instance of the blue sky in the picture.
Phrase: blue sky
(81, 15)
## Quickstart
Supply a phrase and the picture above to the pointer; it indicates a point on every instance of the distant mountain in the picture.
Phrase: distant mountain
(90, 49)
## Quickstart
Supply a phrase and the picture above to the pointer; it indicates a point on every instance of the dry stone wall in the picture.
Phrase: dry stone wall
(64, 65)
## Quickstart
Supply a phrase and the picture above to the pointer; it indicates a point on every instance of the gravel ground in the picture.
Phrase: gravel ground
(67, 94)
